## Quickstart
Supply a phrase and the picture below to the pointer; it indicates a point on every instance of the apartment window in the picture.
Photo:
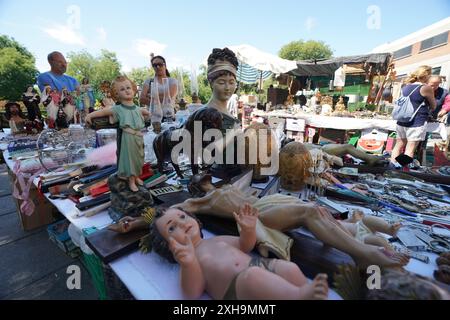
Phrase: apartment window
(435, 41)
(402, 53)
(436, 71)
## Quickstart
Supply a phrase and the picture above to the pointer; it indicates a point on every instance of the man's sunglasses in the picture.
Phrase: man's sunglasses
(156, 65)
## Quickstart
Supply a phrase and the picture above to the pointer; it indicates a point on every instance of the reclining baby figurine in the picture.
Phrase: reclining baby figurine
(222, 266)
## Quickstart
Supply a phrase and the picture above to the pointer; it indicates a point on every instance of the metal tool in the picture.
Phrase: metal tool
(412, 254)
(435, 243)
(409, 239)
(166, 190)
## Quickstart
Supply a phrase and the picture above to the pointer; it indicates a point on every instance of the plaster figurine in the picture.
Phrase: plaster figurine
(283, 213)
(131, 122)
(337, 151)
(340, 106)
(221, 73)
(222, 266)
(277, 213)
(31, 100)
(366, 228)
(15, 117)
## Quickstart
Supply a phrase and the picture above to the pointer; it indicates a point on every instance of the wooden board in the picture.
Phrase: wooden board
(109, 245)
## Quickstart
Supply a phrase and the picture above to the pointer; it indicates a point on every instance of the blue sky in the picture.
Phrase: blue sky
(186, 31)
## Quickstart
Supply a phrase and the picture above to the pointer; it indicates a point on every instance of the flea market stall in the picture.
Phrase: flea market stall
(148, 276)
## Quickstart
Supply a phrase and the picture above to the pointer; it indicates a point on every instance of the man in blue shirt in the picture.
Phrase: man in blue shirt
(56, 77)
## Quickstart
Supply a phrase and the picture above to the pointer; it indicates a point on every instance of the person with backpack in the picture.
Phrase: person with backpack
(418, 96)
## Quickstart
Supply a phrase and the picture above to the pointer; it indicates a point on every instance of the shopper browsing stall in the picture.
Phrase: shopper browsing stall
(410, 134)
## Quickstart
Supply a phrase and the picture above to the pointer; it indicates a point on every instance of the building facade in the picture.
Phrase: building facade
(428, 46)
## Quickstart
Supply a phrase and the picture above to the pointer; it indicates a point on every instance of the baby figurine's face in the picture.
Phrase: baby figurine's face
(124, 90)
(177, 224)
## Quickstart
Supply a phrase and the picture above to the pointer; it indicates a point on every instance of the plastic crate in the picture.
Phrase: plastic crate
(95, 267)
(58, 233)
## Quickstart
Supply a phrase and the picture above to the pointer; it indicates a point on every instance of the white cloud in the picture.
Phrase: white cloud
(65, 35)
(146, 46)
(178, 63)
(310, 23)
(101, 32)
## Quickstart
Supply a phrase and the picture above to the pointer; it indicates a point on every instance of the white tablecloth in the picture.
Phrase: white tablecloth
(343, 123)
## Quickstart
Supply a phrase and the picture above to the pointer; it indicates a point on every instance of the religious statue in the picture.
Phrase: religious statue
(131, 122)
(222, 266)
(340, 106)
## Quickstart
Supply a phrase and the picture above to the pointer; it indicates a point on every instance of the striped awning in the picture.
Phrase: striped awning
(248, 74)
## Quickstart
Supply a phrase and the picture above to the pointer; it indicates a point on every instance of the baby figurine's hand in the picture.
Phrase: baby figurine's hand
(124, 225)
(184, 254)
(247, 217)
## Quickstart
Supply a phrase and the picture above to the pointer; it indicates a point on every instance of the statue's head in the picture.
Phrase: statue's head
(222, 70)
(172, 223)
(12, 108)
(122, 82)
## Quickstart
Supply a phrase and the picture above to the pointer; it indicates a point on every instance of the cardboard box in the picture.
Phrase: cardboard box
(44, 212)
(296, 135)
(295, 124)
(277, 123)
(332, 136)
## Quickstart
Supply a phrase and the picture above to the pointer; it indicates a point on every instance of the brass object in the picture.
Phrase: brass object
(254, 140)
(295, 164)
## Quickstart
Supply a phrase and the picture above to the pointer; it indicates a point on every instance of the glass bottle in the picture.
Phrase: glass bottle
(155, 107)
(167, 104)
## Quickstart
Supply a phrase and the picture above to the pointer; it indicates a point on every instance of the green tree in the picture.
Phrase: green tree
(139, 75)
(309, 50)
(84, 65)
(107, 67)
(81, 65)
(180, 73)
(17, 69)
(7, 42)
(204, 89)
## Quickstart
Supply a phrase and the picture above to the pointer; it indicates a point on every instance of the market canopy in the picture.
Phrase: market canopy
(327, 67)
(262, 61)
(248, 74)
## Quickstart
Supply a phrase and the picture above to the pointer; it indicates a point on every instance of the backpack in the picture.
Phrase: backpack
(404, 109)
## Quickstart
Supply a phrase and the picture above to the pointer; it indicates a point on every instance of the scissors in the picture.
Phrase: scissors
(436, 243)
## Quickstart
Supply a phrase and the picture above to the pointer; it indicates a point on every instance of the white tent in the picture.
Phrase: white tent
(262, 61)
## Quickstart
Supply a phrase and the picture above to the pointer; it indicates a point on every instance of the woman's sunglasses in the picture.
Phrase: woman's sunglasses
(156, 65)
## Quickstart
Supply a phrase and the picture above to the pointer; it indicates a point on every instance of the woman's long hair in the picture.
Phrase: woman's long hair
(421, 74)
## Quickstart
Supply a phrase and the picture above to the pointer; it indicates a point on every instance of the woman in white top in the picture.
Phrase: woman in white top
(167, 88)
